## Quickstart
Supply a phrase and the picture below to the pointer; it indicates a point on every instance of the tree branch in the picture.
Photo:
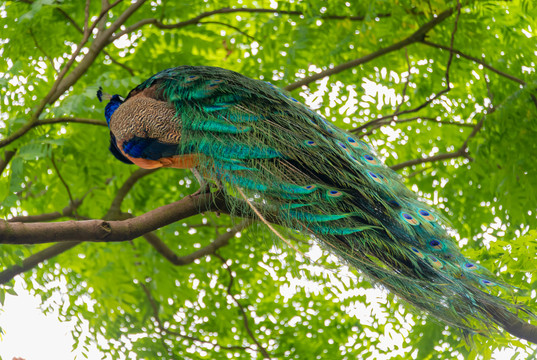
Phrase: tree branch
(418, 35)
(8, 155)
(115, 208)
(400, 121)
(109, 231)
(51, 62)
(196, 20)
(221, 241)
(70, 120)
(229, 26)
(429, 99)
(66, 212)
(33, 260)
(71, 201)
(64, 81)
(155, 309)
(484, 64)
(56, 249)
(241, 308)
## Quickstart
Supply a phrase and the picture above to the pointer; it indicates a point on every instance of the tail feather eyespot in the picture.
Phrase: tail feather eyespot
(374, 176)
(370, 159)
(426, 215)
(435, 244)
(409, 219)
(334, 193)
(417, 252)
(470, 266)
(437, 264)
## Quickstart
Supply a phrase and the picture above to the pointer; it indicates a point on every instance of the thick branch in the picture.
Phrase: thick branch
(56, 249)
(109, 231)
(511, 323)
(220, 241)
(418, 35)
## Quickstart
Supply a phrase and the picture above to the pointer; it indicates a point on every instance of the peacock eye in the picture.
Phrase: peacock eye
(334, 193)
(409, 219)
(310, 143)
(470, 266)
(370, 159)
(426, 215)
(192, 78)
(417, 252)
(435, 244)
(343, 146)
(374, 176)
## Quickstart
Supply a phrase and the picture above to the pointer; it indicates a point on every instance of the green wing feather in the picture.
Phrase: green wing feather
(316, 178)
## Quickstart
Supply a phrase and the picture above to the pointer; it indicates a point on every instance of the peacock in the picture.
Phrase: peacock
(287, 163)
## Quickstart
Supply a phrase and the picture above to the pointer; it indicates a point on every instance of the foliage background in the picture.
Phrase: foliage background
(469, 149)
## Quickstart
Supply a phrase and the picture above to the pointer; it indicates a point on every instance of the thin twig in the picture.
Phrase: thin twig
(431, 98)
(70, 120)
(229, 26)
(71, 199)
(67, 211)
(196, 20)
(406, 84)
(86, 18)
(241, 308)
(8, 155)
(164, 330)
(220, 241)
(418, 35)
(51, 62)
(401, 121)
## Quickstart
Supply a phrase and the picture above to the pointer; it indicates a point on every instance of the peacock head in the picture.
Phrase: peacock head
(114, 102)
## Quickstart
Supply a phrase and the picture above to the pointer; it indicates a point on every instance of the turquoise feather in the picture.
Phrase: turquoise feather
(316, 178)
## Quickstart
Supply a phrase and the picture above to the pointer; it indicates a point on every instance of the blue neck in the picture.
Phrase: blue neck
(111, 107)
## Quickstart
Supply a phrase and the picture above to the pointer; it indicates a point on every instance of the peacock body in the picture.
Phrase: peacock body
(291, 165)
